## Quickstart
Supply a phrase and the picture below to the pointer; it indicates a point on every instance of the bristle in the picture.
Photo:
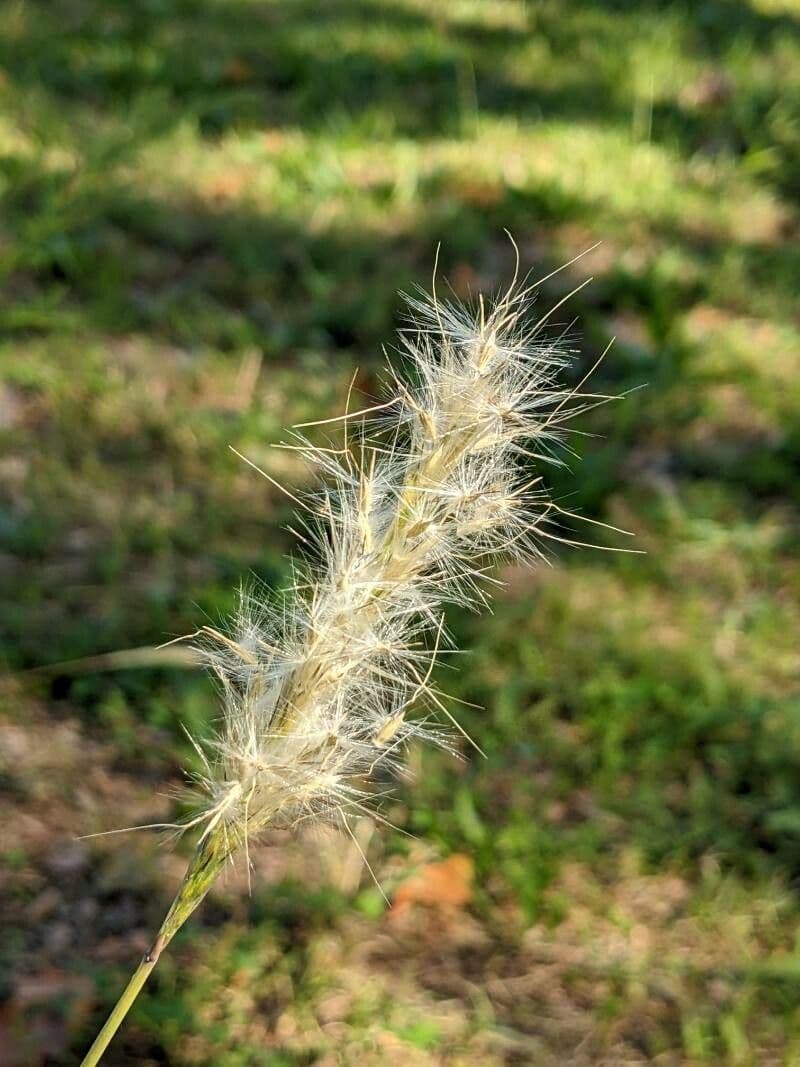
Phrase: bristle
(432, 485)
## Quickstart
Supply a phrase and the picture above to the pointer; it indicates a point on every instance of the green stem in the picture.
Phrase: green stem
(204, 867)
(121, 1008)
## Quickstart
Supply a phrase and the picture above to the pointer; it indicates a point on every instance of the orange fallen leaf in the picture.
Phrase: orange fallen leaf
(447, 884)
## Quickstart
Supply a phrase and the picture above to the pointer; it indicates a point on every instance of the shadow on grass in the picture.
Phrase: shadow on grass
(407, 71)
(97, 85)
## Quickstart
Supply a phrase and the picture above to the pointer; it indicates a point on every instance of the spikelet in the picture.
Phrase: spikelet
(325, 685)
(317, 692)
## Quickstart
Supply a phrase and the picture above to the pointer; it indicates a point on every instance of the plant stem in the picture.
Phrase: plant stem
(121, 1008)
(204, 867)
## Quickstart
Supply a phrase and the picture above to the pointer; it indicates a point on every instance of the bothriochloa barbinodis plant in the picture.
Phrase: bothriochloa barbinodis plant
(331, 679)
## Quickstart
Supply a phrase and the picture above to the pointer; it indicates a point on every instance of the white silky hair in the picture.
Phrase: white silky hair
(325, 684)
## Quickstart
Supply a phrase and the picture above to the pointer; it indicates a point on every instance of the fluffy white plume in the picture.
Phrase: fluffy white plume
(430, 487)
(326, 684)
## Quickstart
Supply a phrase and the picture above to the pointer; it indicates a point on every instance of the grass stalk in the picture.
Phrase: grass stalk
(205, 866)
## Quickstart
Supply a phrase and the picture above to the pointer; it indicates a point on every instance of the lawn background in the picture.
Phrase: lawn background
(208, 211)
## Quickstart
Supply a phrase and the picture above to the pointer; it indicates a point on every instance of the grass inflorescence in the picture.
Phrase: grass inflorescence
(324, 686)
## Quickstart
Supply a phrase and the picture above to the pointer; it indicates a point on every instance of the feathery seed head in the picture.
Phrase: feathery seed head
(429, 488)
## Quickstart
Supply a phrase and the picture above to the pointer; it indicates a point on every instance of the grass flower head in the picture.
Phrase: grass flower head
(325, 685)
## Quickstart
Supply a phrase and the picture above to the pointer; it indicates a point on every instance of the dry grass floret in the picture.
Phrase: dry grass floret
(428, 489)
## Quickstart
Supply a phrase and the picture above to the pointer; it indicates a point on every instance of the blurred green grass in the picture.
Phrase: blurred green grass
(208, 210)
